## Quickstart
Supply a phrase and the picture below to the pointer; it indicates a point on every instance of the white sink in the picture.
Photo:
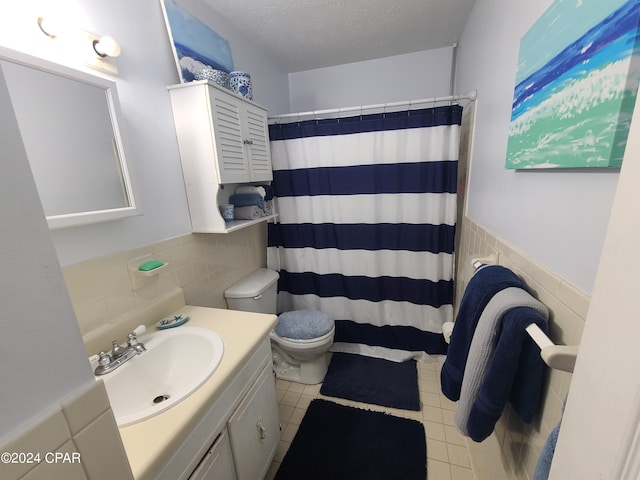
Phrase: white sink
(176, 363)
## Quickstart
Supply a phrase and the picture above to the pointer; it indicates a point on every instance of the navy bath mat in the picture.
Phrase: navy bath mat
(373, 380)
(344, 443)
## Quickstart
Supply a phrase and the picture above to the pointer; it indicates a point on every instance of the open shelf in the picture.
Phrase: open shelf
(228, 227)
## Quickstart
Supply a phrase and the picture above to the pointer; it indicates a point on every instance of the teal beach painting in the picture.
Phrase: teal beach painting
(195, 45)
(576, 86)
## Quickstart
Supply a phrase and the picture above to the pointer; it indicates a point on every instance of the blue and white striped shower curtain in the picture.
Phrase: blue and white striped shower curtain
(367, 211)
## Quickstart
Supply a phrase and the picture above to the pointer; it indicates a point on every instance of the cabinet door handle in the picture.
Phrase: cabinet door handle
(262, 432)
(248, 142)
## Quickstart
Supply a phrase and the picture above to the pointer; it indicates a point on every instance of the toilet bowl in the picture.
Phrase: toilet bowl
(300, 342)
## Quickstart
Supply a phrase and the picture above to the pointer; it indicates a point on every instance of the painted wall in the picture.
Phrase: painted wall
(557, 218)
(146, 66)
(412, 76)
(41, 347)
(43, 355)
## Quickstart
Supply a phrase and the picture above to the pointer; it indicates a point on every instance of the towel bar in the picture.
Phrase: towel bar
(491, 259)
(560, 357)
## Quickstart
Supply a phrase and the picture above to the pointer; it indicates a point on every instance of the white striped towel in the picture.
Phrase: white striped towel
(249, 189)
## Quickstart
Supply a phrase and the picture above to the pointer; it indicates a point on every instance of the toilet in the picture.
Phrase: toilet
(300, 341)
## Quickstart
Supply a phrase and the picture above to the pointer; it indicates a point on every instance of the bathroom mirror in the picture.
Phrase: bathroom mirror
(68, 120)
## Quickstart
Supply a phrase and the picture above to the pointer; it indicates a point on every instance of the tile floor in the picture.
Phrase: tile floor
(447, 454)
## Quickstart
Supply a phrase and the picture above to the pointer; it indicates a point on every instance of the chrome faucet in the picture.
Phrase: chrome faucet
(108, 362)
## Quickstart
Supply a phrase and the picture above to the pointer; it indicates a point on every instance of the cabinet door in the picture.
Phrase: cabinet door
(256, 134)
(226, 112)
(254, 428)
(217, 464)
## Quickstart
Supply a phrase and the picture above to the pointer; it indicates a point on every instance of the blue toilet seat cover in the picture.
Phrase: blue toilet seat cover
(303, 324)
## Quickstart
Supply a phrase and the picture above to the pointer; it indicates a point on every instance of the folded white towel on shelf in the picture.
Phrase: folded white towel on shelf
(268, 207)
(249, 189)
(250, 212)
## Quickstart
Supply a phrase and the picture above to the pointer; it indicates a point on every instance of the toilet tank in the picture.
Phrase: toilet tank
(254, 293)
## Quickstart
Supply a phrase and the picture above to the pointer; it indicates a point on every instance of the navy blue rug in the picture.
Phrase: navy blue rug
(336, 442)
(372, 380)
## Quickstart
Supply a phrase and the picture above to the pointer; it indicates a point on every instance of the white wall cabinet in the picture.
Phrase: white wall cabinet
(223, 139)
(241, 135)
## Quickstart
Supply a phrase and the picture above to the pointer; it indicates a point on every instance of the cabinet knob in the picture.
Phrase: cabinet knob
(262, 432)
(248, 142)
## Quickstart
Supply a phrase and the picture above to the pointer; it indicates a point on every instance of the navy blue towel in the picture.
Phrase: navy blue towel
(484, 284)
(247, 200)
(268, 189)
(514, 374)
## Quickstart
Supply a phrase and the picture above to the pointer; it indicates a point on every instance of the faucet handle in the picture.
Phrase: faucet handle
(132, 339)
(139, 329)
(104, 358)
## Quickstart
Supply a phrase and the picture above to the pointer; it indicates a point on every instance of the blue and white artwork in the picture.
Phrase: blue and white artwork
(195, 45)
(576, 86)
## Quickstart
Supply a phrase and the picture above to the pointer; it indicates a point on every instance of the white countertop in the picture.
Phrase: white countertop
(150, 443)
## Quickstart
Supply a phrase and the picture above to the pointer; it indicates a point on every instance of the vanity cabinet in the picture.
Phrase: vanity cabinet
(254, 429)
(244, 449)
(223, 139)
(237, 437)
(217, 464)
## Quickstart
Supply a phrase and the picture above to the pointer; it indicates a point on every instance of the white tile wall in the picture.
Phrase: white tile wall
(514, 448)
(203, 265)
(85, 429)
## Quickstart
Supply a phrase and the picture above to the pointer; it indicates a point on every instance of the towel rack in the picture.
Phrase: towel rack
(559, 357)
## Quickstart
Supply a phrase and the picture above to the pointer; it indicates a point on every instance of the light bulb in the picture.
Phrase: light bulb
(107, 47)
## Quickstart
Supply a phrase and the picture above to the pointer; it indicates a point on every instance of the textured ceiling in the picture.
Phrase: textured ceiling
(307, 34)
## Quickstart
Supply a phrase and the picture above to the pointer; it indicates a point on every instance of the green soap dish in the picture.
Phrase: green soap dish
(150, 265)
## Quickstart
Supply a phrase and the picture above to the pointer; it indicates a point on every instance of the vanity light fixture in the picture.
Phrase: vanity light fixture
(50, 27)
(76, 45)
(107, 46)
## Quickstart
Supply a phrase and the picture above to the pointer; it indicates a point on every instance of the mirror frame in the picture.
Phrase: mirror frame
(111, 95)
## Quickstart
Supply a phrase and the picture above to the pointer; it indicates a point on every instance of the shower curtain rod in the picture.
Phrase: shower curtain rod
(472, 95)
